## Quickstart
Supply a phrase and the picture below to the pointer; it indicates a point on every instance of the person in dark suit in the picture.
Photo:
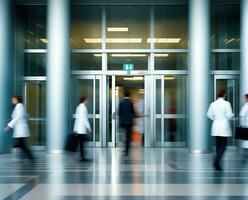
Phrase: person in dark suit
(126, 115)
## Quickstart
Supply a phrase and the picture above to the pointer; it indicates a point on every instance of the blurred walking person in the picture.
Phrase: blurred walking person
(126, 115)
(19, 123)
(220, 111)
(244, 121)
(82, 126)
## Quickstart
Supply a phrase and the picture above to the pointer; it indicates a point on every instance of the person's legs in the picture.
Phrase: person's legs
(222, 149)
(22, 144)
(81, 144)
(128, 137)
(221, 143)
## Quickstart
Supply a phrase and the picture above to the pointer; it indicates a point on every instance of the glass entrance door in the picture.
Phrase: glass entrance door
(137, 88)
(170, 108)
(89, 86)
(229, 83)
(35, 103)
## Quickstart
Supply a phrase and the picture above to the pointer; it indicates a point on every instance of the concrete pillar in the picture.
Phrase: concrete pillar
(199, 75)
(6, 70)
(58, 73)
(244, 50)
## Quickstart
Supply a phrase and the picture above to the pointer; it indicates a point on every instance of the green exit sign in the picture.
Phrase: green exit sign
(128, 67)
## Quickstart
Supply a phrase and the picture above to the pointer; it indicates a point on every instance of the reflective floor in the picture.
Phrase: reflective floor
(170, 174)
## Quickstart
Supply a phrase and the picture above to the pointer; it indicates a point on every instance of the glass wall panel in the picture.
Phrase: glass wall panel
(174, 95)
(174, 130)
(225, 26)
(33, 23)
(171, 61)
(35, 64)
(158, 130)
(116, 61)
(86, 61)
(158, 96)
(171, 27)
(35, 101)
(226, 61)
(128, 27)
(86, 27)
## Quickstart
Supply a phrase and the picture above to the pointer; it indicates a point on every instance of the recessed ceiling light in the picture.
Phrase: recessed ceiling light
(117, 29)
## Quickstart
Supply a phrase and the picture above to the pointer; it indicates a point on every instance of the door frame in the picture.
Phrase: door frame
(235, 78)
(114, 115)
(38, 80)
(162, 116)
(94, 116)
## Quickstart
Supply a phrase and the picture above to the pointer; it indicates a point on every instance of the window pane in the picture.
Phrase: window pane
(128, 27)
(32, 21)
(116, 61)
(174, 130)
(158, 130)
(171, 61)
(225, 25)
(158, 96)
(35, 64)
(86, 26)
(36, 109)
(171, 27)
(226, 61)
(174, 95)
(36, 99)
(86, 61)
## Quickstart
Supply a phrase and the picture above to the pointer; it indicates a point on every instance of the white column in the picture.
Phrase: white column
(244, 50)
(58, 73)
(199, 75)
(6, 70)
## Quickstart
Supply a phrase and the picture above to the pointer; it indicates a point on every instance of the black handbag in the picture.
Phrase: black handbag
(241, 133)
(72, 143)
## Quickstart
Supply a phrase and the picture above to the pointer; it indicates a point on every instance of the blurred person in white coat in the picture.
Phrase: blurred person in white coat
(19, 123)
(82, 125)
(220, 111)
(244, 120)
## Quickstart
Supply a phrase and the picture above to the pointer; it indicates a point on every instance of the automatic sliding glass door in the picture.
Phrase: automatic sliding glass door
(35, 103)
(170, 109)
(90, 87)
(230, 84)
(137, 88)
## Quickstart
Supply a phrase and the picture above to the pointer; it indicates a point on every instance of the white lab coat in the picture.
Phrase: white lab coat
(244, 116)
(220, 111)
(244, 123)
(19, 122)
(81, 120)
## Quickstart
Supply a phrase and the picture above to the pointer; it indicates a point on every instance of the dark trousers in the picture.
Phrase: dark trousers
(128, 130)
(82, 139)
(21, 143)
(221, 143)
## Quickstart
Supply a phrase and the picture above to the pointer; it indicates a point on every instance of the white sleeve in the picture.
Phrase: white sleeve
(229, 112)
(210, 113)
(18, 114)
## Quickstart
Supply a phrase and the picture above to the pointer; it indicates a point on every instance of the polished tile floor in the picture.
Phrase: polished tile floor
(161, 173)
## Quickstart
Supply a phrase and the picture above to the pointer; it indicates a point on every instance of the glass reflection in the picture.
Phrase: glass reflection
(86, 61)
(35, 102)
(86, 23)
(226, 61)
(32, 21)
(127, 27)
(171, 61)
(171, 27)
(225, 26)
(35, 64)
